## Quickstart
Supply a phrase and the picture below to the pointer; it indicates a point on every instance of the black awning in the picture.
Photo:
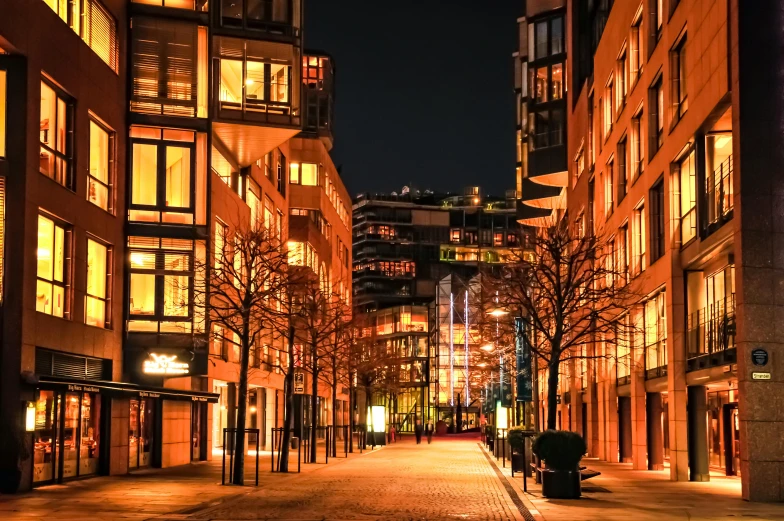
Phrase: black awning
(122, 388)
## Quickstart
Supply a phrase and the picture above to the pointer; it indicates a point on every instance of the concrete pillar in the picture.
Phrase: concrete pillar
(698, 434)
(638, 416)
(655, 436)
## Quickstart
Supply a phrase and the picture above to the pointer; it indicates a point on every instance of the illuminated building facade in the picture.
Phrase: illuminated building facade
(667, 156)
(412, 253)
(165, 127)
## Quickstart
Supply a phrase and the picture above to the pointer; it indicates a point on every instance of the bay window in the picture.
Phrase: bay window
(162, 285)
(56, 134)
(97, 301)
(99, 177)
(53, 268)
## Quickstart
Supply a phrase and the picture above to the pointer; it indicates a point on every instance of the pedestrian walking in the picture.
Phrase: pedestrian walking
(418, 431)
(429, 428)
(391, 434)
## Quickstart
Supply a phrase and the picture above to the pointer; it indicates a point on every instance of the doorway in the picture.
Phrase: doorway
(140, 432)
(731, 439)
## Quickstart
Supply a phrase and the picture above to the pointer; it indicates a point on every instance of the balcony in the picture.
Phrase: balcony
(710, 337)
(656, 360)
(623, 369)
(719, 196)
(274, 19)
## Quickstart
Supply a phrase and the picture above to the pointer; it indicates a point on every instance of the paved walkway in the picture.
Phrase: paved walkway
(621, 493)
(451, 479)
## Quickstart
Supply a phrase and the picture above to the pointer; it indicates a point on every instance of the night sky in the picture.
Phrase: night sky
(425, 91)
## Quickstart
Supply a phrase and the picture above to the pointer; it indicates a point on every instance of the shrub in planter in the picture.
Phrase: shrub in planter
(516, 437)
(561, 452)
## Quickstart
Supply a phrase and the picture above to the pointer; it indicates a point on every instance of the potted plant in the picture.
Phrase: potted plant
(561, 452)
(516, 437)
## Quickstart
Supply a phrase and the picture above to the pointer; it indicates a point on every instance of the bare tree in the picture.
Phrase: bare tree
(573, 290)
(336, 358)
(242, 287)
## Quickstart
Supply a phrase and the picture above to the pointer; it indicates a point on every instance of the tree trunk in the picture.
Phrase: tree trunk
(288, 409)
(334, 418)
(314, 417)
(552, 392)
(242, 411)
(352, 399)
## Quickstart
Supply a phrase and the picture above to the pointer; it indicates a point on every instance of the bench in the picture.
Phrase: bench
(585, 473)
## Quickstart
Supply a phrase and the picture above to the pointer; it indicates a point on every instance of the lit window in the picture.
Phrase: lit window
(99, 30)
(639, 239)
(2, 112)
(656, 117)
(99, 176)
(221, 231)
(638, 146)
(193, 5)
(635, 50)
(56, 136)
(51, 292)
(97, 309)
(309, 174)
(608, 188)
(686, 181)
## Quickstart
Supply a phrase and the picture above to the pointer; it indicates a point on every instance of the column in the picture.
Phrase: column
(655, 441)
(698, 434)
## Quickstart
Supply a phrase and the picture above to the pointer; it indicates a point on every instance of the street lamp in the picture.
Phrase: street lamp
(488, 347)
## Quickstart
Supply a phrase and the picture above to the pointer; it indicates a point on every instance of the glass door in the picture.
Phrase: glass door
(146, 415)
(70, 433)
(196, 441)
(89, 434)
(732, 439)
(133, 436)
(45, 437)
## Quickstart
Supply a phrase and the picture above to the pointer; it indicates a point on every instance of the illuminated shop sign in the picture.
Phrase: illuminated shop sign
(167, 365)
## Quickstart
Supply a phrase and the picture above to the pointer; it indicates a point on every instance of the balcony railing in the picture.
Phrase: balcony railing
(656, 359)
(710, 337)
(719, 194)
(623, 369)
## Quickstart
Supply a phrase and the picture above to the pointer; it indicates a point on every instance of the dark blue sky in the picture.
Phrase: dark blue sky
(424, 90)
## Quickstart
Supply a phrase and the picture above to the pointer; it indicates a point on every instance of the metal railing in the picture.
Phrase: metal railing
(719, 193)
(277, 448)
(712, 328)
(623, 369)
(228, 446)
(656, 359)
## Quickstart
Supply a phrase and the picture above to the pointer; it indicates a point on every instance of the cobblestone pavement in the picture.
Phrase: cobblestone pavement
(448, 480)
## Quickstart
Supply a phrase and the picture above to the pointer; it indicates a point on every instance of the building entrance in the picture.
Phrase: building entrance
(724, 432)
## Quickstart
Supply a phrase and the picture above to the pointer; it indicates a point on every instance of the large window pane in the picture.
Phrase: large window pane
(95, 302)
(231, 84)
(45, 247)
(310, 174)
(98, 179)
(145, 167)
(3, 104)
(142, 298)
(50, 295)
(176, 295)
(178, 177)
(279, 88)
(254, 83)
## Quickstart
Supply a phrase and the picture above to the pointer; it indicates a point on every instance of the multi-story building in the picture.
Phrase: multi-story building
(414, 257)
(671, 142)
(165, 127)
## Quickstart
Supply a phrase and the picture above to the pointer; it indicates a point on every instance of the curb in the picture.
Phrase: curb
(531, 513)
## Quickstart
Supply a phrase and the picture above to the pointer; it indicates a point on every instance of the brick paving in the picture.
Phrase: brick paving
(622, 493)
(448, 480)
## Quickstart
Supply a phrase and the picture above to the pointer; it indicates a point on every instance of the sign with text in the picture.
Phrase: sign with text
(525, 390)
(299, 382)
(760, 376)
(165, 365)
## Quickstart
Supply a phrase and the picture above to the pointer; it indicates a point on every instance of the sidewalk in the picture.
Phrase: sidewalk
(148, 493)
(621, 493)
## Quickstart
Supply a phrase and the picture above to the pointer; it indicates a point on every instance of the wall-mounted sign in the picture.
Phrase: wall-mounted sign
(299, 382)
(760, 376)
(30, 417)
(759, 357)
(165, 365)
(525, 388)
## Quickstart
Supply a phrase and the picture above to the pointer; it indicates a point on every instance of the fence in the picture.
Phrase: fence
(337, 434)
(229, 435)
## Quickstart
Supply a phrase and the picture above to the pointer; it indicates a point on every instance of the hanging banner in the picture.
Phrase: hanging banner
(525, 392)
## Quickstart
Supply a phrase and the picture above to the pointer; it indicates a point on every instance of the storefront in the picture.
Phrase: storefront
(74, 423)
(724, 432)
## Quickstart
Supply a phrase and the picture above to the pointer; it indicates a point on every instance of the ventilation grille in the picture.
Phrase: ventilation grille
(54, 363)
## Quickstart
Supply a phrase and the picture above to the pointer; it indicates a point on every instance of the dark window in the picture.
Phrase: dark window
(679, 101)
(656, 19)
(638, 146)
(622, 158)
(655, 117)
(164, 67)
(635, 51)
(591, 205)
(657, 220)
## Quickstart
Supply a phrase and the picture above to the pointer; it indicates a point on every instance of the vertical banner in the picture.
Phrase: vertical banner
(523, 352)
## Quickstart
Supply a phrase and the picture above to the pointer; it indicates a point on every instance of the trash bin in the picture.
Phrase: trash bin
(294, 443)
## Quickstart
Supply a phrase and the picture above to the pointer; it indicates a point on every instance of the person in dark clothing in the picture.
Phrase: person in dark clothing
(418, 431)
(429, 428)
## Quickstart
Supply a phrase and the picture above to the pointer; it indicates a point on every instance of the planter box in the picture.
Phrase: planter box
(561, 484)
(518, 462)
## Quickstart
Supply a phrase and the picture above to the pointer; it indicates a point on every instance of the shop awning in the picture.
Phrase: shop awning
(121, 389)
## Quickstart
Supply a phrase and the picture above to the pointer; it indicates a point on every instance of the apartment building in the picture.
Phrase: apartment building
(415, 254)
(669, 147)
(165, 127)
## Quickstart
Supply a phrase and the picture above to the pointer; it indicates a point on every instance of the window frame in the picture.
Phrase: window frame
(679, 100)
(67, 261)
(67, 157)
(111, 167)
(107, 298)
(657, 220)
(655, 116)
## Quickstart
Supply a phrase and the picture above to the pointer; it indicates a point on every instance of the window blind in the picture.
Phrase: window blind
(100, 32)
